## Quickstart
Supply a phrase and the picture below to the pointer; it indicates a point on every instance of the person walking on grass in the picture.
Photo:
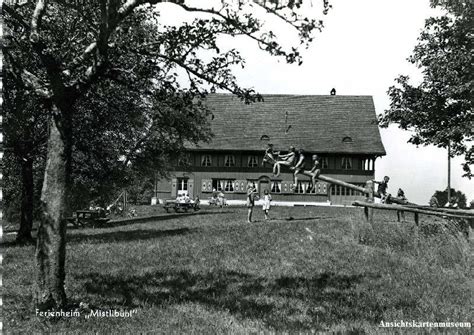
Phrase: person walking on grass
(251, 195)
(267, 198)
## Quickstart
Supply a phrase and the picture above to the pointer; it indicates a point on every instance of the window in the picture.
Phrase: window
(302, 187)
(276, 186)
(367, 164)
(346, 163)
(324, 162)
(217, 184)
(229, 160)
(206, 160)
(226, 185)
(252, 161)
(319, 188)
(229, 186)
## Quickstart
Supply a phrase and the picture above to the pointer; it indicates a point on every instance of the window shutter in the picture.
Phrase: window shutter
(324, 188)
(321, 188)
(173, 187)
(191, 188)
(206, 185)
(240, 186)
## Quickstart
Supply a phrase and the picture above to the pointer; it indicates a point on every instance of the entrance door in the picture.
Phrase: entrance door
(264, 185)
(182, 186)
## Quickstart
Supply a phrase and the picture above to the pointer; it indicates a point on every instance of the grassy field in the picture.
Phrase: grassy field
(307, 270)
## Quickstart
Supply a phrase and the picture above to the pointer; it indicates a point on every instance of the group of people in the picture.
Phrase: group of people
(183, 198)
(218, 198)
(295, 160)
(252, 196)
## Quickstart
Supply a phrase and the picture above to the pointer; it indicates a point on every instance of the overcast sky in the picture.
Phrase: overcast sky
(362, 49)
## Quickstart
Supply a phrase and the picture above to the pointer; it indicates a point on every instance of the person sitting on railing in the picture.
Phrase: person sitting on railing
(299, 166)
(401, 196)
(434, 202)
(288, 160)
(314, 172)
(270, 155)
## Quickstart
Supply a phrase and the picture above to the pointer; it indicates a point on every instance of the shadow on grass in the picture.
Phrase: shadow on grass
(126, 235)
(117, 222)
(307, 218)
(285, 303)
(117, 236)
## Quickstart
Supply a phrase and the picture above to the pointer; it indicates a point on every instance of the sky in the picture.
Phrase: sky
(361, 50)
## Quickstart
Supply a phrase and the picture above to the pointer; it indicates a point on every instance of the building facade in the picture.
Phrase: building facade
(342, 130)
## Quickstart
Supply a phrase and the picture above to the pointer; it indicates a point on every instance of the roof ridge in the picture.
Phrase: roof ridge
(295, 94)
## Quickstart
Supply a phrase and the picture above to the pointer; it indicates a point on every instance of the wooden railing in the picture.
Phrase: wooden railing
(416, 210)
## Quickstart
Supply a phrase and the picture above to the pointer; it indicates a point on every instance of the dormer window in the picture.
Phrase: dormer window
(347, 139)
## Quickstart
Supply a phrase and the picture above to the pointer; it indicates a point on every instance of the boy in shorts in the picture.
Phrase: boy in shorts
(382, 189)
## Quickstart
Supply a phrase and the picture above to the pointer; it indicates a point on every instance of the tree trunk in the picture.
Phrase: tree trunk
(51, 239)
(26, 214)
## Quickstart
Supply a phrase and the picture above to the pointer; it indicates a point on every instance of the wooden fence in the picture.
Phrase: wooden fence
(416, 210)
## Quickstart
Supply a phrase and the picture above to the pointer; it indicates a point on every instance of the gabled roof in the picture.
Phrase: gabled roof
(316, 123)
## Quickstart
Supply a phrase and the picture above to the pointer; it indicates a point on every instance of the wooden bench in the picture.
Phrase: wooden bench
(84, 218)
(180, 206)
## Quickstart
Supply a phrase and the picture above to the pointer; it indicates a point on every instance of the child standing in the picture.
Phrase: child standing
(267, 198)
(251, 195)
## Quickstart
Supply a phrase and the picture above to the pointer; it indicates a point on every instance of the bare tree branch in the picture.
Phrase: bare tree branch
(38, 13)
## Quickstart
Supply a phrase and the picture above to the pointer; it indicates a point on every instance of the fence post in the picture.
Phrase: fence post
(369, 212)
(417, 218)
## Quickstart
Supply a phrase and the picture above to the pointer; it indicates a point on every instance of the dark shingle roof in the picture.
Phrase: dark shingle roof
(316, 123)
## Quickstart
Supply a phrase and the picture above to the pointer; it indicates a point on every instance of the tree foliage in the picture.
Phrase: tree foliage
(457, 197)
(117, 54)
(439, 109)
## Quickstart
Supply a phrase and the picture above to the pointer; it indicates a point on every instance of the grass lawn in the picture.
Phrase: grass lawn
(314, 269)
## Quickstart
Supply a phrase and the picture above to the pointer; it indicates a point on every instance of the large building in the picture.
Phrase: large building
(342, 130)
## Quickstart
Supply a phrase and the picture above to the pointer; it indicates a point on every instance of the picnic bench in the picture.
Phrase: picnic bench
(91, 218)
(180, 206)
